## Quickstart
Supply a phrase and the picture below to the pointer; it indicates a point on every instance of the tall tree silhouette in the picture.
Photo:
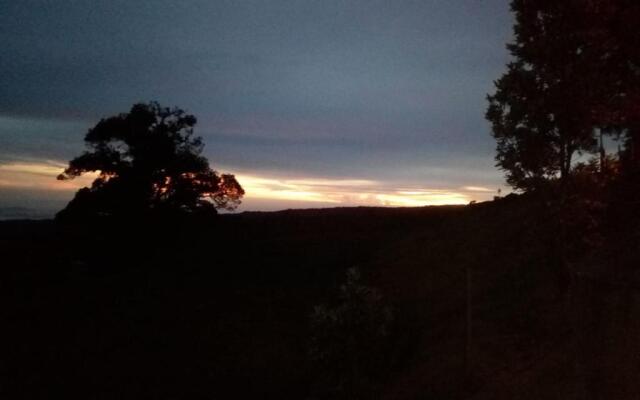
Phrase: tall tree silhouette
(148, 160)
(575, 73)
(541, 112)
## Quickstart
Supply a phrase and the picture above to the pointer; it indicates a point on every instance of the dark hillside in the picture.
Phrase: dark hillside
(221, 309)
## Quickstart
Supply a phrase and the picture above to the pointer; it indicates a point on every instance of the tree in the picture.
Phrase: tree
(148, 160)
(350, 340)
(541, 112)
(575, 74)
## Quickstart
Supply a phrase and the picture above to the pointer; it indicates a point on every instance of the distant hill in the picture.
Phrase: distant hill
(7, 213)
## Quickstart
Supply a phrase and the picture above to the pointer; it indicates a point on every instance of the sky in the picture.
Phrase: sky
(309, 103)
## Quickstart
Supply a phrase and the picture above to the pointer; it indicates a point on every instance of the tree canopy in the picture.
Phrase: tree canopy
(148, 160)
(538, 109)
(574, 76)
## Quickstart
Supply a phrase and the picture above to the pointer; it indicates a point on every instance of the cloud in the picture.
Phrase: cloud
(39, 175)
(345, 192)
(263, 191)
(477, 189)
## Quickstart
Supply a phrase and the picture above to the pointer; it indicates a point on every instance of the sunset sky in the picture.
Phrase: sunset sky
(309, 103)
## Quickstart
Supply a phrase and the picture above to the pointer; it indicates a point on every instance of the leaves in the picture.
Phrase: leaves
(541, 110)
(575, 71)
(148, 158)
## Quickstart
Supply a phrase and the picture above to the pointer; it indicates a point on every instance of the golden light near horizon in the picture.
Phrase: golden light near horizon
(307, 191)
(40, 175)
(478, 189)
(346, 192)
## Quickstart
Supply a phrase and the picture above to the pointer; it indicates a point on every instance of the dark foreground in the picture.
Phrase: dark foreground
(222, 309)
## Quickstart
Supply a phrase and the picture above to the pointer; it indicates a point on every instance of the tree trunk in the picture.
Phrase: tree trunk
(603, 156)
(566, 154)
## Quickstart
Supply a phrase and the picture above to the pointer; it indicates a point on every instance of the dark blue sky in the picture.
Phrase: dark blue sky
(388, 92)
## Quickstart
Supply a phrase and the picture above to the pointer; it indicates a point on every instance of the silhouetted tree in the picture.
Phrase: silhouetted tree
(148, 160)
(541, 110)
(576, 72)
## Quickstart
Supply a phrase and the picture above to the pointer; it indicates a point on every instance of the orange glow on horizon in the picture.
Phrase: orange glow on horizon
(346, 192)
(40, 175)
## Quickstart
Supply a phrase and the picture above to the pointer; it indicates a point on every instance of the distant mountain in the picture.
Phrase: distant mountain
(24, 213)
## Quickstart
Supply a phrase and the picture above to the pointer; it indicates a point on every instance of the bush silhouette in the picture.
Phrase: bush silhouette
(349, 339)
